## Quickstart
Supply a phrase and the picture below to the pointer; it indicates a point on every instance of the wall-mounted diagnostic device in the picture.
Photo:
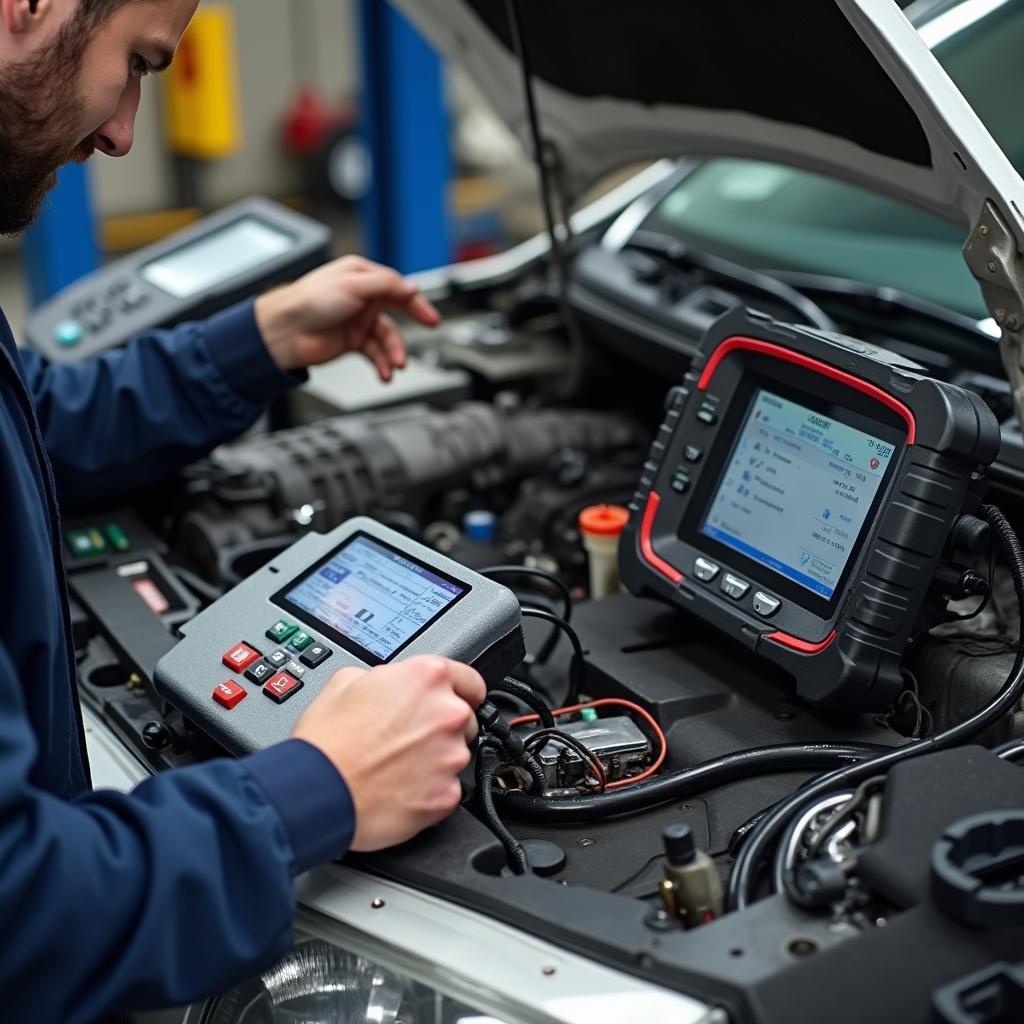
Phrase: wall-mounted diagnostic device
(212, 264)
(361, 595)
(799, 496)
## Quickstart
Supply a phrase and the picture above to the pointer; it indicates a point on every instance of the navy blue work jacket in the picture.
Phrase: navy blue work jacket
(182, 888)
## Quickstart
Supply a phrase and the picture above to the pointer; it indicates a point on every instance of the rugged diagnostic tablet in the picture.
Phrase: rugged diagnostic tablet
(361, 595)
(799, 495)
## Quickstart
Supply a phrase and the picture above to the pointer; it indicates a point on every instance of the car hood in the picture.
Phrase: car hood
(847, 88)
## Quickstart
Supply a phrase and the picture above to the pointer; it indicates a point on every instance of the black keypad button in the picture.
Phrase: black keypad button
(692, 453)
(259, 672)
(279, 658)
(315, 654)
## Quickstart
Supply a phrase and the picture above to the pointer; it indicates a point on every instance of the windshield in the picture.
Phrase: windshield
(773, 217)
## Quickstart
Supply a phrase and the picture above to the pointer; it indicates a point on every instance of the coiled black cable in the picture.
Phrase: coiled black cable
(487, 763)
(542, 575)
(688, 782)
(756, 850)
(529, 697)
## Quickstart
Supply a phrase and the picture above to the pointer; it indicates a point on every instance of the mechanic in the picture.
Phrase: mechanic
(110, 901)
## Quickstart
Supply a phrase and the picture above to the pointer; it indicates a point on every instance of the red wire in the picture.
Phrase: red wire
(616, 701)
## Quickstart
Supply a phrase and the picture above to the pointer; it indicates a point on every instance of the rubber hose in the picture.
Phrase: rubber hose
(686, 783)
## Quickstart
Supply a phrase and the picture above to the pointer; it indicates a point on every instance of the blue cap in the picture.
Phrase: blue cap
(480, 525)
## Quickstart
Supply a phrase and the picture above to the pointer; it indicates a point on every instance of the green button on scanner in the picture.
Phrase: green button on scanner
(300, 641)
(280, 631)
(118, 537)
(68, 333)
(86, 543)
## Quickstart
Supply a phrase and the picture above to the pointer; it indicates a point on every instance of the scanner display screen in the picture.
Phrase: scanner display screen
(207, 262)
(796, 491)
(372, 598)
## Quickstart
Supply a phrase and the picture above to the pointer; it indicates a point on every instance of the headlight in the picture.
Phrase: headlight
(318, 983)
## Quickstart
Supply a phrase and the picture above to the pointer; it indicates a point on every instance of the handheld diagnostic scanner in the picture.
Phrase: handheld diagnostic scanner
(799, 496)
(361, 595)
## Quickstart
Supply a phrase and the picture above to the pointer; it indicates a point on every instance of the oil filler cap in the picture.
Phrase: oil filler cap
(978, 870)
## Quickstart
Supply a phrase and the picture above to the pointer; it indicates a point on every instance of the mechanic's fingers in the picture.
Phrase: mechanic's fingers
(422, 311)
(373, 349)
(381, 285)
(467, 683)
(471, 729)
(388, 334)
(365, 323)
(353, 261)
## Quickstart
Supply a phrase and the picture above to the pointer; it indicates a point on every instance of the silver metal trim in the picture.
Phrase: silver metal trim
(499, 969)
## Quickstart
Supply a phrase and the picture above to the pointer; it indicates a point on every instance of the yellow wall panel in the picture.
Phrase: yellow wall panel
(202, 113)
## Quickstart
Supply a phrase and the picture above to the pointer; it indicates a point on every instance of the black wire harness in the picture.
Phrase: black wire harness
(488, 760)
(754, 853)
(525, 693)
(536, 576)
(576, 664)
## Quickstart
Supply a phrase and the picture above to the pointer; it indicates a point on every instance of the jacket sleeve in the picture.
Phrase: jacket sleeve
(174, 892)
(128, 417)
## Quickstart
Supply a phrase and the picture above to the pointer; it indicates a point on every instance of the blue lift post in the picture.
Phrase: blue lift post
(405, 216)
(61, 246)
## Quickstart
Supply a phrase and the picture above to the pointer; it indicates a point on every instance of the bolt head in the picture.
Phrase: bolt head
(378, 903)
(983, 230)
(547, 970)
(991, 266)
(584, 842)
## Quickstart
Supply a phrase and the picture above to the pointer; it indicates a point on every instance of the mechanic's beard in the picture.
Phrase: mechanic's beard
(35, 112)
(25, 181)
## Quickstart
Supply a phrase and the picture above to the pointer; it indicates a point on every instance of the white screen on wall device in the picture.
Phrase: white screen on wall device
(224, 254)
(796, 491)
(374, 596)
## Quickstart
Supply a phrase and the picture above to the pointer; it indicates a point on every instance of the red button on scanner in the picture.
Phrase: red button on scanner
(228, 694)
(281, 687)
(240, 657)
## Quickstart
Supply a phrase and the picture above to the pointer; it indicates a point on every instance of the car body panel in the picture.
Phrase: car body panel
(593, 134)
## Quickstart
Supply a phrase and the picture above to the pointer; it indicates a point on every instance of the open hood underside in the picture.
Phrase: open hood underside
(843, 87)
(846, 88)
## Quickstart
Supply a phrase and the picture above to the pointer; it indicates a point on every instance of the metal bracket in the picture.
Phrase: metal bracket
(993, 256)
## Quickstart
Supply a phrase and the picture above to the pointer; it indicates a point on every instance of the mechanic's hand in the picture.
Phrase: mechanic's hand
(398, 734)
(339, 308)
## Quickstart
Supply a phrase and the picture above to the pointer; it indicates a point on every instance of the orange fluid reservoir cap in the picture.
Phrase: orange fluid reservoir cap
(604, 520)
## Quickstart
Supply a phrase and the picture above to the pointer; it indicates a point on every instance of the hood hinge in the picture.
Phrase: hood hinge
(995, 261)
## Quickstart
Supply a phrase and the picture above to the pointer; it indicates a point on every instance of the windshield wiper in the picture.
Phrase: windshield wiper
(881, 299)
(685, 257)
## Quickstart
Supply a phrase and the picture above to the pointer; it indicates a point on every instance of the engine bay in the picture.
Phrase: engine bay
(487, 459)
